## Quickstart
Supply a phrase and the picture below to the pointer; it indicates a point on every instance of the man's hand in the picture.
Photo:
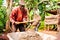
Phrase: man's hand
(17, 22)
(21, 22)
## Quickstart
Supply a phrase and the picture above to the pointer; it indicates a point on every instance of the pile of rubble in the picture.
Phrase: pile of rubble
(29, 35)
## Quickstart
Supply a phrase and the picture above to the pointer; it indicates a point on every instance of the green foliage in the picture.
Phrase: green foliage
(16, 0)
(46, 6)
(41, 25)
(42, 8)
(52, 5)
(31, 15)
(2, 17)
(15, 3)
(1, 1)
(48, 14)
(31, 3)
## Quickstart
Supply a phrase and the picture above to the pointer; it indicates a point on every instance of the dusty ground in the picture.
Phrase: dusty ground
(54, 33)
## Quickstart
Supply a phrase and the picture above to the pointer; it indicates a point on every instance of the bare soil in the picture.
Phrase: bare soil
(54, 33)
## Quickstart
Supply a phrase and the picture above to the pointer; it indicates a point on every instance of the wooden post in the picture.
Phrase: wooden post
(58, 18)
(58, 25)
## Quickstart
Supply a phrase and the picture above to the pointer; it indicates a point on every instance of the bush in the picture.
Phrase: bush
(2, 18)
(41, 27)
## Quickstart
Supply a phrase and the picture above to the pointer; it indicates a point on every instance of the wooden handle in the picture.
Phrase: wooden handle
(25, 22)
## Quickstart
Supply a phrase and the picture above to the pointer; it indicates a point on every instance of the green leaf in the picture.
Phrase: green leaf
(1, 24)
(2, 17)
(1, 1)
(16, 0)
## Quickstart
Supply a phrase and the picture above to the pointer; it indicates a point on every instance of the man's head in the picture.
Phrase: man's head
(22, 3)
(22, 6)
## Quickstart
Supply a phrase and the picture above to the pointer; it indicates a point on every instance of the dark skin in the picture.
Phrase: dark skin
(22, 7)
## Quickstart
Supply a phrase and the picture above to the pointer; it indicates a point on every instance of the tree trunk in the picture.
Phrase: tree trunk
(9, 7)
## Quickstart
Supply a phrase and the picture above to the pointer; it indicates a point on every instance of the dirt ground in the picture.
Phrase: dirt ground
(54, 33)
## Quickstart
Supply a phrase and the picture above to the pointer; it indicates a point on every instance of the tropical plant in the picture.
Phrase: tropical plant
(2, 16)
(1, 1)
(31, 3)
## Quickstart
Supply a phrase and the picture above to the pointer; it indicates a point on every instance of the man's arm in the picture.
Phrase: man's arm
(27, 14)
(12, 16)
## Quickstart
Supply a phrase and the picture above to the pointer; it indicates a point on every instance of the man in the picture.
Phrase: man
(18, 14)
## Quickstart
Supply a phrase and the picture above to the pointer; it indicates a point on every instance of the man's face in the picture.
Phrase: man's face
(22, 6)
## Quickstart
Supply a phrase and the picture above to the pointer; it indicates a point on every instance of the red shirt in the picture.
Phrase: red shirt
(17, 14)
